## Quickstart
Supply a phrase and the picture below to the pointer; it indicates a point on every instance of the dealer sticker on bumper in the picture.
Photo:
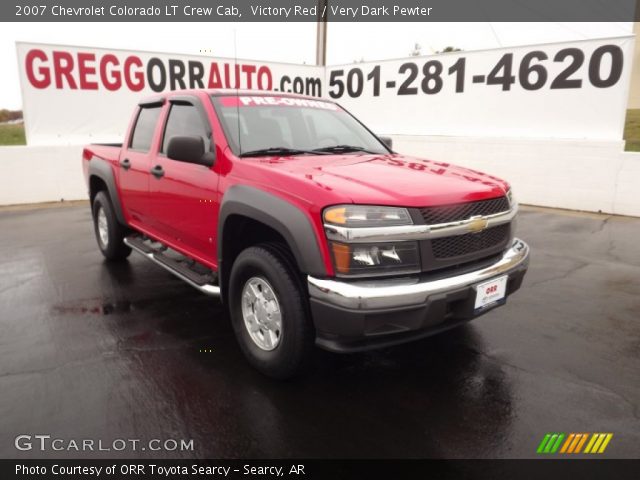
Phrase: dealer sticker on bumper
(491, 292)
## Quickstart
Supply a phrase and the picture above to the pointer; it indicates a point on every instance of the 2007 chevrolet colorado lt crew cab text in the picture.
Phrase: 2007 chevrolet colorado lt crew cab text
(306, 225)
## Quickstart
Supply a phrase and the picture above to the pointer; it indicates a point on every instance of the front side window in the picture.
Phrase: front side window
(256, 123)
(184, 120)
(144, 128)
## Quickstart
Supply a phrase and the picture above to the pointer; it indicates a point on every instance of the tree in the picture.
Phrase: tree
(9, 115)
(449, 49)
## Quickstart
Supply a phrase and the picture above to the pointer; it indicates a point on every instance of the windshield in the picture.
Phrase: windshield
(273, 125)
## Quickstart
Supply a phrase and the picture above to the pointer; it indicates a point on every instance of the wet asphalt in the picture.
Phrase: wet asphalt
(110, 351)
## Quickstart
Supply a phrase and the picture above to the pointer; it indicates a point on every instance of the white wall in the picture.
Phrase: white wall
(40, 174)
(572, 174)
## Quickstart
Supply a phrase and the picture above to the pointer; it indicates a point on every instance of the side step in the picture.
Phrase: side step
(184, 268)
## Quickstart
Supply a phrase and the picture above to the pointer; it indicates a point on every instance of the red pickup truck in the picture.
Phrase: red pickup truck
(305, 224)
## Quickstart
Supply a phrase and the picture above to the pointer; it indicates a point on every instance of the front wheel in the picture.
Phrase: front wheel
(269, 312)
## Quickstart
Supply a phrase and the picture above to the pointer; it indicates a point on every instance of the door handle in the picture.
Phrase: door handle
(126, 164)
(157, 171)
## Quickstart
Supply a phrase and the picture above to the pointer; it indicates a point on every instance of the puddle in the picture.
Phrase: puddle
(95, 307)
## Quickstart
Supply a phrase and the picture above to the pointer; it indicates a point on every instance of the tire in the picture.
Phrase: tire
(266, 269)
(104, 219)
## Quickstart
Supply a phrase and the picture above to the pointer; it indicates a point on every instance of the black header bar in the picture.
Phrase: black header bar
(311, 10)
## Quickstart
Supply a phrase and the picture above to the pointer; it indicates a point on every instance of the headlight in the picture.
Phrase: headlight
(375, 259)
(370, 259)
(367, 216)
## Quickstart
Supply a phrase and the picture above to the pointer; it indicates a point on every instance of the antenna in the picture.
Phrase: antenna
(235, 72)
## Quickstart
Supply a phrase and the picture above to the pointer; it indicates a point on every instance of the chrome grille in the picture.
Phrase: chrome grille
(462, 211)
(468, 243)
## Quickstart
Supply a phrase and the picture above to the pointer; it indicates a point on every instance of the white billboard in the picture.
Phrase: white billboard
(572, 90)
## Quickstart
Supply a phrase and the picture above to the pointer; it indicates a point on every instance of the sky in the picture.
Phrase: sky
(292, 42)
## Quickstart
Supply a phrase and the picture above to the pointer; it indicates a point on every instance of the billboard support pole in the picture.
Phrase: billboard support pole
(634, 92)
(321, 33)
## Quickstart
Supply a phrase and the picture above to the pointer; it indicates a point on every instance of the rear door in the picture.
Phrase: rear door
(135, 163)
(185, 194)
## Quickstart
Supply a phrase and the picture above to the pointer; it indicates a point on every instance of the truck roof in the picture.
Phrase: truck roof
(219, 92)
(232, 92)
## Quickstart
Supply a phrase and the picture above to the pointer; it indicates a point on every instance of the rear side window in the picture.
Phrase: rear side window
(184, 120)
(145, 126)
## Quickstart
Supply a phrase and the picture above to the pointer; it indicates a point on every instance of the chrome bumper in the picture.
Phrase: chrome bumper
(402, 292)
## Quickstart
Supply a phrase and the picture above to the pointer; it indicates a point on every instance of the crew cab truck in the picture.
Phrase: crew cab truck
(303, 222)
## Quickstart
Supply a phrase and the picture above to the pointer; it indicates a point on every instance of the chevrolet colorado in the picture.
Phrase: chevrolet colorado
(303, 222)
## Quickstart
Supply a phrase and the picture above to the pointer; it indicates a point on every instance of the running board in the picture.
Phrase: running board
(202, 282)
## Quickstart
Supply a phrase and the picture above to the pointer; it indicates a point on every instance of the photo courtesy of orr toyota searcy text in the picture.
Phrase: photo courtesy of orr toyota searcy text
(160, 470)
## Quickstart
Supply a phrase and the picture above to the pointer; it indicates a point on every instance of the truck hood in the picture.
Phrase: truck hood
(377, 179)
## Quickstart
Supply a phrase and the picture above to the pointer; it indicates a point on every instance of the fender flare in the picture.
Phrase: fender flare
(102, 169)
(285, 218)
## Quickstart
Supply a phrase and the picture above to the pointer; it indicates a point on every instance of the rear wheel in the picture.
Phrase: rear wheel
(269, 312)
(109, 232)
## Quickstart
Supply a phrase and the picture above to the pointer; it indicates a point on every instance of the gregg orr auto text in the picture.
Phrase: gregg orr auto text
(62, 69)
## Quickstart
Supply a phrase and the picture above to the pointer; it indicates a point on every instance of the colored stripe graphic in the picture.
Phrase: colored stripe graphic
(594, 437)
(543, 443)
(598, 442)
(572, 443)
(596, 445)
(605, 443)
(567, 442)
(581, 443)
(578, 438)
(555, 447)
(550, 443)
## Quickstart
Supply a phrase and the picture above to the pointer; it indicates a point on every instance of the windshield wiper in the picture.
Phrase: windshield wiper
(277, 151)
(343, 149)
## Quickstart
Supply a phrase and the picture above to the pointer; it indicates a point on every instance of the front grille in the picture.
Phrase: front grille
(459, 245)
(462, 211)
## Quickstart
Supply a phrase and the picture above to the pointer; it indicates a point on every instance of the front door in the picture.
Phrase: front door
(185, 194)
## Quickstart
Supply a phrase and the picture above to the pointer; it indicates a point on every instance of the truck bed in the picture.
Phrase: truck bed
(109, 152)
(105, 151)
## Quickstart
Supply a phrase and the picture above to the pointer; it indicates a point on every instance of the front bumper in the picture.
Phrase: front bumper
(365, 314)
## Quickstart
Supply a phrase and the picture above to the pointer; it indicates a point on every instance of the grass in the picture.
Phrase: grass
(12, 134)
(632, 130)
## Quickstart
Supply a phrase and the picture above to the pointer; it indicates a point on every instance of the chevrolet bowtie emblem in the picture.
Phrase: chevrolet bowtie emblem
(477, 224)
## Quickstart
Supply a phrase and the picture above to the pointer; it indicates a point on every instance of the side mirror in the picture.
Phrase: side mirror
(387, 141)
(189, 149)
